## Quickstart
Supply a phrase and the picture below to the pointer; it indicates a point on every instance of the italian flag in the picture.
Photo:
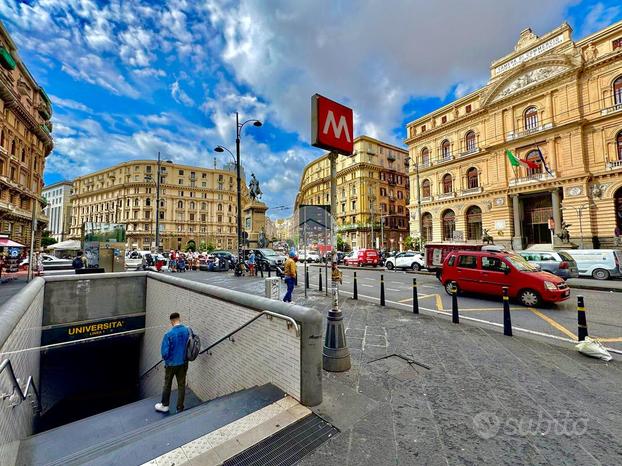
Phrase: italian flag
(516, 162)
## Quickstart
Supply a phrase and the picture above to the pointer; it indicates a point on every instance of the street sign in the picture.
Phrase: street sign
(332, 125)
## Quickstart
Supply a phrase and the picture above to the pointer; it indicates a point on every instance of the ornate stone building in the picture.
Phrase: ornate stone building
(549, 96)
(372, 186)
(25, 141)
(197, 205)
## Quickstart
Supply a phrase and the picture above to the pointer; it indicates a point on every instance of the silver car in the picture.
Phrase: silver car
(559, 263)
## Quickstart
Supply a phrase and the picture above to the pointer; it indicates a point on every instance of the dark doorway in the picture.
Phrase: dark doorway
(538, 210)
(617, 199)
(85, 379)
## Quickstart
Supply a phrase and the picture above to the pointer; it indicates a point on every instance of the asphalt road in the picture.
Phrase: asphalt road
(603, 309)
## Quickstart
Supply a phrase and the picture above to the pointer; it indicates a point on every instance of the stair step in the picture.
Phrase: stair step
(140, 433)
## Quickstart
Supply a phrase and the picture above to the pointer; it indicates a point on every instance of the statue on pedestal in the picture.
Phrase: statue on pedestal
(253, 188)
(564, 236)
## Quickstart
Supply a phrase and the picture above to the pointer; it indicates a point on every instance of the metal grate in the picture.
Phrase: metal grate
(287, 446)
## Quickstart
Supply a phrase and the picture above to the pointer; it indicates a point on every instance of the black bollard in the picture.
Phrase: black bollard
(454, 304)
(355, 294)
(415, 297)
(260, 269)
(507, 319)
(320, 279)
(269, 272)
(307, 278)
(382, 290)
(582, 320)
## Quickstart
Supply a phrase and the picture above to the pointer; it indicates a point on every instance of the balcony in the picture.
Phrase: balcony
(613, 109)
(527, 132)
(427, 199)
(446, 159)
(471, 191)
(443, 196)
(533, 178)
(425, 164)
(468, 152)
(615, 165)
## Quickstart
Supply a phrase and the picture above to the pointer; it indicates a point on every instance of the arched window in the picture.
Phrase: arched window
(448, 185)
(534, 156)
(13, 147)
(148, 202)
(448, 220)
(2, 138)
(425, 157)
(23, 155)
(469, 140)
(619, 145)
(180, 204)
(474, 223)
(472, 178)
(192, 205)
(425, 188)
(445, 150)
(617, 91)
(203, 206)
(219, 207)
(136, 202)
(531, 118)
(426, 224)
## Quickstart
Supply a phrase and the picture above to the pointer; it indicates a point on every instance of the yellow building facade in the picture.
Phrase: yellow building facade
(197, 205)
(25, 142)
(372, 187)
(553, 103)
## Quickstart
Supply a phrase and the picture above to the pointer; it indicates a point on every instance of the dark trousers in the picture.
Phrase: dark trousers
(289, 281)
(179, 372)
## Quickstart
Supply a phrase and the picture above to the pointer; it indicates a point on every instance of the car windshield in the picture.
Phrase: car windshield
(267, 252)
(520, 263)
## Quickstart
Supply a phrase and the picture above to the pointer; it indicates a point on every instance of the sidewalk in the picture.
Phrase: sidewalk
(485, 399)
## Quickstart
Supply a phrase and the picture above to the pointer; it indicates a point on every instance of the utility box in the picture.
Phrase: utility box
(273, 288)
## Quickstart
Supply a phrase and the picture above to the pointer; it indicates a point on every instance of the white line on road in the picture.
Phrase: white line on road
(368, 286)
(393, 289)
(372, 279)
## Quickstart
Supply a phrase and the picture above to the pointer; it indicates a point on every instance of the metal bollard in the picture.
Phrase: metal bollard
(582, 320)
(507, 319)
(355, 294)
(307, 278)
(269, 272)
(454, 304)
(320, 279)
(415, 297)
(260, 269)
(382, 290)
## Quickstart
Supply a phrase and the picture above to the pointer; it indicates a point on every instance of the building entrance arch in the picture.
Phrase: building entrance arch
(617, 202)
(538, 210)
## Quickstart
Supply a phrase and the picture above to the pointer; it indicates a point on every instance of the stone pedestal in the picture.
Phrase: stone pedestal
(254, 221)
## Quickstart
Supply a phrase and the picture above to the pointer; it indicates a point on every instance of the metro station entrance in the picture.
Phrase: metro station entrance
(538, 209)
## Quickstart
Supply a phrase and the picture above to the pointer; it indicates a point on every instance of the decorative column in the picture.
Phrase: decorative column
(517, 239)
(557, 214)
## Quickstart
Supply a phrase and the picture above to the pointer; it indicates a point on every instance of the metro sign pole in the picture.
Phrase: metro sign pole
(332, 128)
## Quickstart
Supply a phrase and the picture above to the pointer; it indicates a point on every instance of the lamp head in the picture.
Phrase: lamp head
(257, 123)
(218, 149)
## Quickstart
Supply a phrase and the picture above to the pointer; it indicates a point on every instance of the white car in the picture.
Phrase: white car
(313, 257)
(49, 260)
(405, 260)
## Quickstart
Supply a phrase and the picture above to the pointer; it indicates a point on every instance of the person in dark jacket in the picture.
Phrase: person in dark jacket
(173, 352)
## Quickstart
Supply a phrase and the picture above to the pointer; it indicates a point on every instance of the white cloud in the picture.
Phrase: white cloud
(599, 17)
(70, 104)
(180, 95)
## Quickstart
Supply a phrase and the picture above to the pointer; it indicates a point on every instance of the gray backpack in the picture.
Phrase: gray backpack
(193, 346)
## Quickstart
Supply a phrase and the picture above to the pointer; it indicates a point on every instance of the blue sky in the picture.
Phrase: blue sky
(131, 78)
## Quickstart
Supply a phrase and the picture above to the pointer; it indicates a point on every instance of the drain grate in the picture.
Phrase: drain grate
(288, 445)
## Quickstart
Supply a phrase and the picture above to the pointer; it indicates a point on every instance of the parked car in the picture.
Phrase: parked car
(600, 264)
(49, 262)
(487, 272)
(559, 263)
(405, 260)
(361, 257)
(269, 258)
(134, 259)
(228, 256)
(436, 253)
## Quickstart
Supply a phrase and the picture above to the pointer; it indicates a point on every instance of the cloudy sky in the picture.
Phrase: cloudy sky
(131, 78)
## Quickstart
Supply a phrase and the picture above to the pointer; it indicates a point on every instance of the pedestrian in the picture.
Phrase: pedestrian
(173, 351)
(617, 233)
(290, 276)
(39, 263)
(79, 262)
(336, 276)
(251, 264)
(173, 261)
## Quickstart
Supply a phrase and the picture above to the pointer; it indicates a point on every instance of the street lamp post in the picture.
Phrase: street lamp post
(157, 212)
(239, 127)
(579, 212)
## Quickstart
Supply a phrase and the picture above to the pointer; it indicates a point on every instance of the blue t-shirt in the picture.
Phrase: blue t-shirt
(251, 259)
(174, 345)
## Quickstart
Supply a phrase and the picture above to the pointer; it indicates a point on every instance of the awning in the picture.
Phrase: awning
(6, 60)
(6, 242)
(69, 245)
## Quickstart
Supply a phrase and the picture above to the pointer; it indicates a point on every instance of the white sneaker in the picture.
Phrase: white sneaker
(161, 408)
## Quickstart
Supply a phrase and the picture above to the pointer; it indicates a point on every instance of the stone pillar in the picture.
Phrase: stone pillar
(557, 212)
(517, 238)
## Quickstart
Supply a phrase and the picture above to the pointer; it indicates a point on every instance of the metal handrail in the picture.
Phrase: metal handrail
(23, 394)
(230, 334)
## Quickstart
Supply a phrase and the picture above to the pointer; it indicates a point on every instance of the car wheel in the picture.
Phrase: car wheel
(449, 286)
(600, 274)
(416, 267)
(389, 265)
(529, 298)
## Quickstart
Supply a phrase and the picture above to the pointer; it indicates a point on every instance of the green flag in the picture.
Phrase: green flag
(513, 160)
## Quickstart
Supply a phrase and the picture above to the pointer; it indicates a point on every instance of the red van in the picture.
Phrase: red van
(362, 257)
(487, 272)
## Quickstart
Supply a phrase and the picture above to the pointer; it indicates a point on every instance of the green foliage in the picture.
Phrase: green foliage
(210, 247)
(47, 240)
(409, 242)
(191, 246)
(202, 245)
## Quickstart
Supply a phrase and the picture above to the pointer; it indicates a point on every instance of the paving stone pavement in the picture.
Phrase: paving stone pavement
(485, 399)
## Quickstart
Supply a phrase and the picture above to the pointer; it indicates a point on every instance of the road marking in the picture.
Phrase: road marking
(554, 323)
(397, 283)
(405, 300)
(609, 340)
(368, 286)
(429, 286)
(419, 296)
(393, 289)
(368, 278)
(439, 303)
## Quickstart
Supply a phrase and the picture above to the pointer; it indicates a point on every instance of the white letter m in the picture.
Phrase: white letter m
(337, 129)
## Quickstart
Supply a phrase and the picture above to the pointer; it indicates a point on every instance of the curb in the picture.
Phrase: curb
(595, 288)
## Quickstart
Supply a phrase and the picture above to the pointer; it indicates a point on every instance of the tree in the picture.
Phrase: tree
(409, 242)
(210, 247)
(340, 243)
(191, 246)
(47, 240)
(202, 246)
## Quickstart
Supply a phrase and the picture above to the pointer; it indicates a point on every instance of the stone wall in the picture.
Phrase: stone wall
(21, 329)
(266, 351)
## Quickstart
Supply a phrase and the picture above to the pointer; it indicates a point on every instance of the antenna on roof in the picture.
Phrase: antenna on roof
(214, 163)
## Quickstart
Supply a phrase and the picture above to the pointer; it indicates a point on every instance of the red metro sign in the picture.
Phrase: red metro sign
(332, 125)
